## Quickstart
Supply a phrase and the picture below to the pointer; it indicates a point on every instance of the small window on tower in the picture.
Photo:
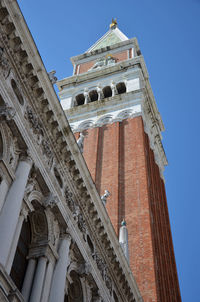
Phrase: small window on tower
(93, 95)
(80, 99)
(121, 88)
(107, 91)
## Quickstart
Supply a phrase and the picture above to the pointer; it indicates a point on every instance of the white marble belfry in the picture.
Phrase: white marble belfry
(11, 209)
(58, 282)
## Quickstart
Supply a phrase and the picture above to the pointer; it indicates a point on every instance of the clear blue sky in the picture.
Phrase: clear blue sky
(169, 37)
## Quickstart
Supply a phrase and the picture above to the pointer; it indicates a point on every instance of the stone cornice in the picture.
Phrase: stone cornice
(29, 67)
(131, 43)
(95, 74)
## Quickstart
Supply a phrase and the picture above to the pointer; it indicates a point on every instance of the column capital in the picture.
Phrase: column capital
(66, 235)
(26, 157)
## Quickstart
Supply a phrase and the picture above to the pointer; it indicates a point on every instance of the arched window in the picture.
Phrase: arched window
(93, 95)
(121, 88)
(80, 99)
(17, 92)
(20, 261)
(107, 91)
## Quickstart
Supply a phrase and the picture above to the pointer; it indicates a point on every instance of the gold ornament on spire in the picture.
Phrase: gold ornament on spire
(113, 24)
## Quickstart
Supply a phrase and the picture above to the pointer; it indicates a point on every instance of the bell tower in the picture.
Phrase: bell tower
(109, 99)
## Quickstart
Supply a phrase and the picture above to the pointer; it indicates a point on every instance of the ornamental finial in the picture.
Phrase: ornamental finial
(113, 25)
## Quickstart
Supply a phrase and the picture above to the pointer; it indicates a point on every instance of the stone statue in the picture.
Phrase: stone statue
(86, 95)
(99, 63)
(104, 197)
(52, 77)
(113, 88)
(100, 92)
(80, 141)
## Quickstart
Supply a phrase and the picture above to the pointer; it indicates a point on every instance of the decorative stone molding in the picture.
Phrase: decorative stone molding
(4, 64)
(7, 112)
(51, 201)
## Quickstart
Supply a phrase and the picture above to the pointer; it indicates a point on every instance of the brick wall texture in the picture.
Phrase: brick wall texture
(120, 56)
(120, 160)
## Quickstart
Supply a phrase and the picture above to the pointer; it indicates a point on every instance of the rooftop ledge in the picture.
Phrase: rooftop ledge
(91, 75)
(132, 41)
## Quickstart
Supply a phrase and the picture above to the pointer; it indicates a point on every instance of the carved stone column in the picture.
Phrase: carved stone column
(47, 283)
(10, 212)
(59, 277)
(39, 280)
(27, 284)
(10, 259)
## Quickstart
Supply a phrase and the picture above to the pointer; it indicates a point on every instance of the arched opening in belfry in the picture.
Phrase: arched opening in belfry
(20, 262)
(107, 92)
(17, 92)
(121, 88)
(93, 95)
(80, 99)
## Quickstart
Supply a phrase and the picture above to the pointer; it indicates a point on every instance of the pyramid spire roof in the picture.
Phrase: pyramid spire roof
(111, 37)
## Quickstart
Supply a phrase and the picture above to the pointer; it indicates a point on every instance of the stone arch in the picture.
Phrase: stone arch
(124, 114)
(93, 95)
(104, 120)
(79, 99)
(121, 87)
(107, 91)
(36, 195)
(85, 125)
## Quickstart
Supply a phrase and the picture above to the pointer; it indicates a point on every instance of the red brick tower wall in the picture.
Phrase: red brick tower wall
(120, 160)
(120, 56)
